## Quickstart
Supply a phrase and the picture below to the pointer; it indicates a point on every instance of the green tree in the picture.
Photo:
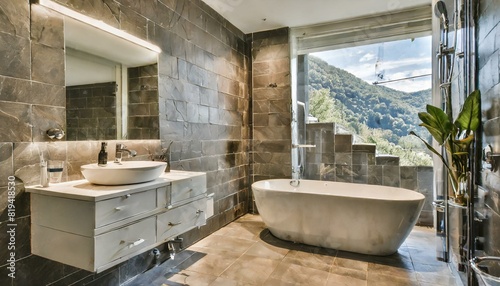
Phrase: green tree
(322, 106)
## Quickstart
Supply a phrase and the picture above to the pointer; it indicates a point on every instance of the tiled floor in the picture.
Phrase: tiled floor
(245, 253)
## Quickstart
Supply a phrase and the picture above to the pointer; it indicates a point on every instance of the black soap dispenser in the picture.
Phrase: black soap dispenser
(103, 155)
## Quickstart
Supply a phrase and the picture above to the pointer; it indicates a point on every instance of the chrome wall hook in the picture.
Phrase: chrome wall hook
(491, 158)
(55, 133)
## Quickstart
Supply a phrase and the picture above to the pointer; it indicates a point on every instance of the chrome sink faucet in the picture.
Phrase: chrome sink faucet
(120, 148)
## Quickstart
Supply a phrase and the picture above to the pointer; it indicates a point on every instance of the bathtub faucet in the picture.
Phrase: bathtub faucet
(295, 182)
(298, 171)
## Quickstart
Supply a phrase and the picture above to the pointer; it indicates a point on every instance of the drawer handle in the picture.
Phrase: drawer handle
(173, 223)
(119, 208)
(127, 196)
(137, 242)
(198, 212)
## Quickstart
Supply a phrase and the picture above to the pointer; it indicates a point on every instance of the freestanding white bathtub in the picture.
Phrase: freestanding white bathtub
(358, 218)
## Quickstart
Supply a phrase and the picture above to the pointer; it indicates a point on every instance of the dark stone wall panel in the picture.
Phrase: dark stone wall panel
(47, 117)
(488, 51)
(15, 125)
(14, 18)
(47, 64)
(47, 27)
(107, 11)
(15, 57)
(204, 98)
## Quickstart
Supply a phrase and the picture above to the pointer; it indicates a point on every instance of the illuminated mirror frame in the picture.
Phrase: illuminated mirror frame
(132, 46)
(98, 24)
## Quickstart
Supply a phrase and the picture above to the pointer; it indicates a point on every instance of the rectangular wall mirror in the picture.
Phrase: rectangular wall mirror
(111, 80)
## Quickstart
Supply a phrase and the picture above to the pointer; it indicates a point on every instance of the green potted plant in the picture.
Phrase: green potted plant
(456, 137)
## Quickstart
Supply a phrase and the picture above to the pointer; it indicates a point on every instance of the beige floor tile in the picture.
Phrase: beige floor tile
(250, 269)
(245, 253)
(248, 230)
(299, 275)
(391, 270)
(341, 280)
(190, 278)
(228, 243)
(351, 263)
(264, 250)
(207, 250)
(379, 279)
(348, 272)
(277, 282)
(220, 281)
(311, 260)
(211, 264)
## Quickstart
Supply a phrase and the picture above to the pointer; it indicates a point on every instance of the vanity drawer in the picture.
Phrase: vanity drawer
(163, 196)
(181, 219)
(187, 188)
(94, 253)
(123, 207)
(124, 241)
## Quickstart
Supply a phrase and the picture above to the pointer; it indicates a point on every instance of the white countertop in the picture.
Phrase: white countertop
(83, 190)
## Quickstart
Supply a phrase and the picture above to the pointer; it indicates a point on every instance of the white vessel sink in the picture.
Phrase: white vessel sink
(124, 173)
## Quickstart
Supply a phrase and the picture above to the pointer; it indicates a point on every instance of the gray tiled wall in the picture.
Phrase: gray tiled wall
(489, 84)
(143, 105)
(271, 98)
(336, 158)
(204, 108)
(91, 112)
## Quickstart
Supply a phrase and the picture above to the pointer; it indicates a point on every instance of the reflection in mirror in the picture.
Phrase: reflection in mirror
(111, 84)
(92, 84)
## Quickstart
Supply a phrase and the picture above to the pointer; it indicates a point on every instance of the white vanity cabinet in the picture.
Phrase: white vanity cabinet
(95, 227)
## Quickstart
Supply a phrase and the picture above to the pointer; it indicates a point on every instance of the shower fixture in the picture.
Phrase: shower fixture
(440, 12)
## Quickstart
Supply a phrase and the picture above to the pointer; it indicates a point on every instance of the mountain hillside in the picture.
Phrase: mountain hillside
(374, 113)
(358, 102)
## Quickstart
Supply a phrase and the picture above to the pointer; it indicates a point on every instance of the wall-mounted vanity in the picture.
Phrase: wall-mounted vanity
(111, 81)
(95, 227)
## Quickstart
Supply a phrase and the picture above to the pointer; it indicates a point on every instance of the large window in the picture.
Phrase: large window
(370, 76)
(375, 92)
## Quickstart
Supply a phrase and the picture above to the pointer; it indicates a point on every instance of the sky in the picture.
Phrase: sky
(387, 61)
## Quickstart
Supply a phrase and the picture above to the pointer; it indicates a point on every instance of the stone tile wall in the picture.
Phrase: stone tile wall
(271, 102)
(91, 112)
(489, 83)
(143, 105)
(336, 158)
(204, 109)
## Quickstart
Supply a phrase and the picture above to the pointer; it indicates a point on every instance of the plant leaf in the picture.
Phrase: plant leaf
(435, 132)
(439, 115)
(468, 118)
(432, 150)
(437, 123)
